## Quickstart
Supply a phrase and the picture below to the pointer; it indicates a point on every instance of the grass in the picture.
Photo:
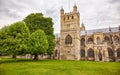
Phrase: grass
(57, 67)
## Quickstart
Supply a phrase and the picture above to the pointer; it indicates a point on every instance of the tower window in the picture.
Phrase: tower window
(72, 17)
(68, 18)
(64, 18)
(68, 25)
(68, 39)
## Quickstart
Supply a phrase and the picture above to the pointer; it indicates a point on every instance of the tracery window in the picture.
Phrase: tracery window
(110, 52)
(82, 53)
(106, 39)
(68, 26)
(82, 41)
(90, 40)
(90, 53)
(68, 39)
(118, 52)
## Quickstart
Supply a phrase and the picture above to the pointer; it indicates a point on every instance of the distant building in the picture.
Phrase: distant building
(77, 43)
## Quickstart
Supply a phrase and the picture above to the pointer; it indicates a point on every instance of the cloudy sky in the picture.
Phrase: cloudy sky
(94, 13)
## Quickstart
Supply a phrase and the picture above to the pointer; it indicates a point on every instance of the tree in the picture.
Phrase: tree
(51, 45)
(38, 43)
(14, 39)
(4, 41)
(19, 34)
(37, 21)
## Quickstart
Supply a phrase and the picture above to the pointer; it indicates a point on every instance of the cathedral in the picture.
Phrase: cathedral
(76, 43)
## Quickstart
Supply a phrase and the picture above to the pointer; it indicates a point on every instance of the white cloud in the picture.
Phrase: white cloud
(94, 13)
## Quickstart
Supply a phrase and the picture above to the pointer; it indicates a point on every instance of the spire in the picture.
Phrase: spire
(82, 24)
(62, 10)
(119, 28)
(83, 27)
(75, 8)
(109, 29)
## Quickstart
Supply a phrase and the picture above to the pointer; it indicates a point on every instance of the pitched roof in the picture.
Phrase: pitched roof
(103, 30)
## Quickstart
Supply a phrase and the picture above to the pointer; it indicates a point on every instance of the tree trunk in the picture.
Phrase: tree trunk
(14, 56)
(50, 56)
(36, 57)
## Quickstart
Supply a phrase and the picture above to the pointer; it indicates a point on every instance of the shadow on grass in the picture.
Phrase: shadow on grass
(10, 60)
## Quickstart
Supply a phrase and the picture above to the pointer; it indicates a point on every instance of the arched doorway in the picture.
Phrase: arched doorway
(118, 53)
(100, 56)
(99, 53)
(82, 53)
(111, 54)
(90, 54)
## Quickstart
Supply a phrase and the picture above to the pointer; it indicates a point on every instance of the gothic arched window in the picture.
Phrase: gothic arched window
(68, 18)
(82, 41)
(90, 40)
(64, 19)
(98, 40)
(106, 39)
(118, 52)
(72, 17)
(68, 39)
(110, 52)
(90, 53)
(82, 53)
(68, 26)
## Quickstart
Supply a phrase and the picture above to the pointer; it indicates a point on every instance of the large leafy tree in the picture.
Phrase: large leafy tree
(4, 41)
(19, 32)
(38, 43)
(13, 39)
(51, 45)
(37, 21)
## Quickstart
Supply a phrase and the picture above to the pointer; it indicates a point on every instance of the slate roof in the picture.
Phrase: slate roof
(103, 30)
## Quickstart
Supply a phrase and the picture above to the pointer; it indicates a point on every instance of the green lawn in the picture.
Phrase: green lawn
(57, 67)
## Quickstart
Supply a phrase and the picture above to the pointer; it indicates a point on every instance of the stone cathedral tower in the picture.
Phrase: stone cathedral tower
(70, 35)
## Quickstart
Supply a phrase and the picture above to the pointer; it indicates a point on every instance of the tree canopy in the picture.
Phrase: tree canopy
(38, 43)
(37, 21)
(13, 38)
(34, 35)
